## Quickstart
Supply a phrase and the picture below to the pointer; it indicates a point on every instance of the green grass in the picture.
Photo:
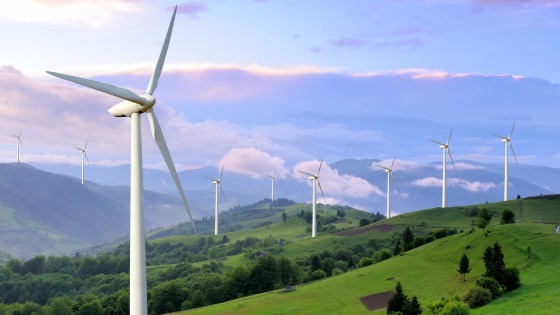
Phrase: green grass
(430, 271)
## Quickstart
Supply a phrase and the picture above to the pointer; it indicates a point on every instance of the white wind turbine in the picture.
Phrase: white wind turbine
(446, 151)
(18, 143)
(351, 146)
(84, 155)
(133, 106)
(217, 182)
(273, 178)
(315, 179)
(507, 141)
(389, 172)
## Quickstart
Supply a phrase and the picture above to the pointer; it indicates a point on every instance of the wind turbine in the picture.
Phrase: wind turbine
(351, 146)
(217, 182)
(273, 178)
(446, 151)
(389, 172)
(315, 179)
(507, 141)
(84, 155)
(133, 106)
(18, 143)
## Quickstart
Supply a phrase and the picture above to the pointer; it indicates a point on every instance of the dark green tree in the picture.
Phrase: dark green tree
(398, 301)
(508, 216)
(264, 275)
(494, 262)
(286, 271)
(464, 266)
(407, 239)
(412, 307)
(284, 216)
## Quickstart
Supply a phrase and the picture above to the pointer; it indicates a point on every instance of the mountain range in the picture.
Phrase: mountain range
(44, 209)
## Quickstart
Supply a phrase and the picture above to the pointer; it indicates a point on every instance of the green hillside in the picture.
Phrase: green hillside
(429, 271)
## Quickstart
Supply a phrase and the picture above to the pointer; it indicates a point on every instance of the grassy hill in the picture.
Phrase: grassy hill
(429, 272)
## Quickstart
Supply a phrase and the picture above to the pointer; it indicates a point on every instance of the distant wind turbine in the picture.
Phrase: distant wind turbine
(315, 179)
(217, 182)
(18, 144)
(84, 155)
(351, 146)
(389, 172)
(273, 178)
(133, 106)
(446, 151)
(507, 141)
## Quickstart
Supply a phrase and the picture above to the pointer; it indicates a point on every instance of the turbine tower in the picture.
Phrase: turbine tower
(217, 182)
(446, 151)
(273, 178)
(507, 141)
(351, 146)
(389, 172)
(315, 180)
(18, 143)
(133, 106)
(84, 155)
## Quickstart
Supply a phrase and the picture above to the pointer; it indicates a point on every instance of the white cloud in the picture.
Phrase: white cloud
(475, 186)
(254, 163)
(335, 184)
(462, 166)
(400, 165)
(93, 12)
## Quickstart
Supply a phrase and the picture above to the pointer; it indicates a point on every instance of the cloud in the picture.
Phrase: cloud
(315, 49)
(475, 186)
(516, 3)
(335, 184)
(254, 163)
(462, 166)
(348, 42)
(191, 9)
(74, 12)
(399, 165)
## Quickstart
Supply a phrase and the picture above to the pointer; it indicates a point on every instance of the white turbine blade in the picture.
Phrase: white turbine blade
(449, 153)
(160, 141)
(511, 130)
(274, 176)
(383, 167)
(449, 138)
(319, 170)
(161, 60)
(103, 87)
(222, 173)
(220, 184)
(511, 146)
(85, 154)
(85, 146)
(321, 189)
(308, 174)
(391, 169)
(500, 136)
(434, 141)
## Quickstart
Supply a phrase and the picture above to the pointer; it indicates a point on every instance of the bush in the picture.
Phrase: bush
(492, 285)
(336, 272)
(477, 296)
(318, 274)
(364, 222)
(511, 279)
(366, 261)
(382, 255)
(508, 216)
(455, 308)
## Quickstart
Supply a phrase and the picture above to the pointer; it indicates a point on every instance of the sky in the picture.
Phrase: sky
(268, 86)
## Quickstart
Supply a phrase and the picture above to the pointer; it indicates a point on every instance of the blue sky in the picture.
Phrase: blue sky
(285, 82)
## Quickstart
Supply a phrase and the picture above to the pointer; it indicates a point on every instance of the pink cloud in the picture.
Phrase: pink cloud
(253, 162)
(475, 186)
(191, 9)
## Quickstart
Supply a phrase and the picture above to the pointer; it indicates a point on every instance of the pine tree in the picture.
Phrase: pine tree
(398, 301)
(407, 239)
(464, 266)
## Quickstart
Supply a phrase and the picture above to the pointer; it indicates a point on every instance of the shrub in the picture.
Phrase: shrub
(429, 238)
(382, 255)
(508, 216)
(477, 296)
(492, 285)
(366, 261)
(510, 278)
(318, 274)
(364, 222)
(455, 308)
(336, 272)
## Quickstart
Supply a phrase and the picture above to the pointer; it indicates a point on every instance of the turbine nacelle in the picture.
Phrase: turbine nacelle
(127, 108)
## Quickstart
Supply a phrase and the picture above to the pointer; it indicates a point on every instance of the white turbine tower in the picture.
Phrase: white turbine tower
(315, 179)
(18, 143)
(351, 146)
(273, 178)
(217, 182)
(84, 155)
(389, 172)
(133, 106)
(446, 151)
(507, 141)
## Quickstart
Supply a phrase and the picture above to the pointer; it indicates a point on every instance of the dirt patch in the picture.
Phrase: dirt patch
(377, 301)
(367, 228)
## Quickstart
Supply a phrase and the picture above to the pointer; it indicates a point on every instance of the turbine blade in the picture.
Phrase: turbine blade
(308, 174)
(102, 87)
(210, 178)
(160, 141)
(220, 184)
(500, 136)
(161, 60)
(391, 169)
(321, 189)
(449, 153)
(85, 146)
(85, 154)
(383, 167)
(434, 141)
(511, 130)
(222, 173)
(319, 170)
(274, 176)
(449, 138)
(512, 151)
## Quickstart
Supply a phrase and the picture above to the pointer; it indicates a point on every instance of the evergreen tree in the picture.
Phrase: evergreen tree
(464, 266)
(412, 307)
(494, 262)
(407, 239)
(398, 301)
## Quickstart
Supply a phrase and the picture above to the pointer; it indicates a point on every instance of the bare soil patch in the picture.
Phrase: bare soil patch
(376, 301)
(367, 228)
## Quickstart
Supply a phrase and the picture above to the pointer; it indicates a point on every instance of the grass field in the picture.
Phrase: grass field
(429, 272)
